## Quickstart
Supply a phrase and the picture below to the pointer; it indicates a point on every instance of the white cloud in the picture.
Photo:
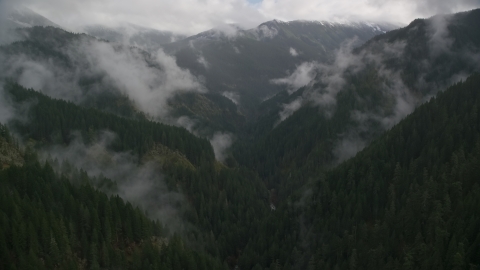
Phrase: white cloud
(148, 87)
(220, 143)
(293, 52)
(141, 184)
(303, 75)
(194, 16)
(234, 97)
(201, 60)
(187, 123)
(289, 109)
(265, 32)
(148, 80)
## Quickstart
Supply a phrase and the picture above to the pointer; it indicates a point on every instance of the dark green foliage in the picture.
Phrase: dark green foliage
(304, 142)
(55, 121)
(226, 204)
(413, 57)
(48, 223)
(5, 133)
(408, 201)
(64, 54)
(212, 112)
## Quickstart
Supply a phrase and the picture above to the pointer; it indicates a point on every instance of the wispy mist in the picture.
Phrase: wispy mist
(234, 97)
(148, 80)
(149, 85)
(290, 108)
(293, 52)
(10, 110)
(303, 75)
(324, 81)
(220, 143)
(141, 184)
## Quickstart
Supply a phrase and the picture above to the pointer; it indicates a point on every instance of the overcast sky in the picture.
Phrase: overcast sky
(194, 16)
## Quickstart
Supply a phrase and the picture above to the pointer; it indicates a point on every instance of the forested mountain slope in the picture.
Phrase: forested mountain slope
(359, 95)
(90, 179)
(115, 78)
(222, 207)
(146, 38)
(407, 201)
(51, 221)
(54, 122)
(241, 63)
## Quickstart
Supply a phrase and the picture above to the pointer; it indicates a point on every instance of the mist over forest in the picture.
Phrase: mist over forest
(240, 135)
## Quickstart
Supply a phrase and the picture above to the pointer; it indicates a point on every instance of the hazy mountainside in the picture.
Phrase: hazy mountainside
(115, 78)
(240, 64)
(409, 197)
(55, 121)
(145, 38)
(359, 95)
(53, 221)
(164, 170)
(97, 153)
(407, 201)
(23, 17)
(45, 59)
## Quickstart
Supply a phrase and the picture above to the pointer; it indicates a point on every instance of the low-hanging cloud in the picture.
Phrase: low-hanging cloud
(264, 32)
(293, 52)
(7, 111)
(202, 61)
(149, 87)
(302, 76)
(440, 41)
(6, 35)
(143, 185)
(13, 111)
(289, 109)
(327, 80)
(220, 143)
(348, 146)
(194, 16)
(149, 80)
(234, 97)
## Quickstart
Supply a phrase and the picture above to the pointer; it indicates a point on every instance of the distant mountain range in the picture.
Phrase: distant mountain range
(292, 145)
(145, 38)
(241, 63)
(236, 66)
(359, 94)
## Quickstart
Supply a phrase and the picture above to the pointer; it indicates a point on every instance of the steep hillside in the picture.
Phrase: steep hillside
(407, 201)
(145, 38)
(54, 122)
(164, 170)
(115, 78)
(359, 95)
(54, 222)
(241, 63)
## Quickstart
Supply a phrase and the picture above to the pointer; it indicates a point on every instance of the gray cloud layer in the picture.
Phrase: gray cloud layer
(193, 16)
(148, 80)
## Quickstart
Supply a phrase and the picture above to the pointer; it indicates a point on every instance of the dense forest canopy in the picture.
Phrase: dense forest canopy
(371, 164)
